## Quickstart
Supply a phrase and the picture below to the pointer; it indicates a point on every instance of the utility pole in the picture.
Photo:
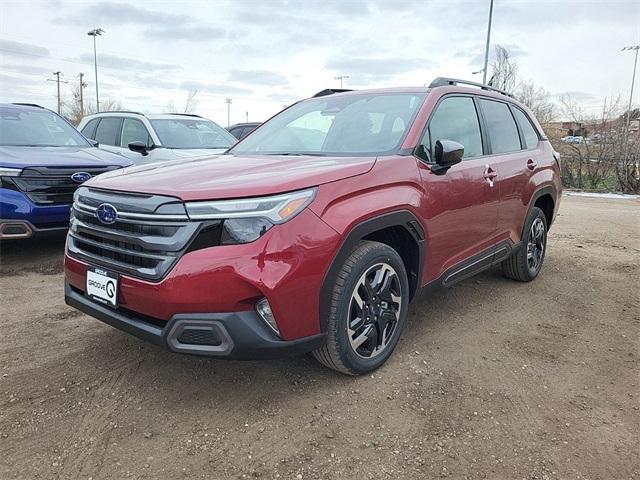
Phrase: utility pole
(58, 81)
(341, 78)
(94, 33)
(246, 114)
(82, 85)
(486, 48)
(628, 123)
(228, 102)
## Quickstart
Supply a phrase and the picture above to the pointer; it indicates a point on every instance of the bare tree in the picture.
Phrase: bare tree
(504, 70)
(537, 99)
(191, 102)
(71, 106)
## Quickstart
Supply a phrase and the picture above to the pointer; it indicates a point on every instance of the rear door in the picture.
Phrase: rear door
(514, 156)
(108, 134)
(461, 207)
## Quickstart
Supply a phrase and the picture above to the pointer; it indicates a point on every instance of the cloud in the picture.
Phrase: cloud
(27, 69)
(20, 49)
(116, 62)
(261, 77)
(377, 67)
(187, 32)
(107, 13)
(214, 88)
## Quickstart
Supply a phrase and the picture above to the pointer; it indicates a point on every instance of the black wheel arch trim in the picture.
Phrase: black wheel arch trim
(399, 218)
(548, 190)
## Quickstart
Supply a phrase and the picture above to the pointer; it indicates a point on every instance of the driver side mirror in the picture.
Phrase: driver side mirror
(94, 143)
(139, 147)
(446, 154)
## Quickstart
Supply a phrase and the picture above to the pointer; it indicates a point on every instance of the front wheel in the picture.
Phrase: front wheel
(526, 263)
(368, 310)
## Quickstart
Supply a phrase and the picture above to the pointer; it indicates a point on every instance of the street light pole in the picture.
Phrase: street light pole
(228, 102)
(94, 33)
(341, 78)
(486, 48)
(628, 122)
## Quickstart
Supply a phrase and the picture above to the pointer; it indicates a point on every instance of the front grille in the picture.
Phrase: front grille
(142, 242)
(52, 185)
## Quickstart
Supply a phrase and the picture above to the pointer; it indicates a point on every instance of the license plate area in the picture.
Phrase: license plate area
(102, 286)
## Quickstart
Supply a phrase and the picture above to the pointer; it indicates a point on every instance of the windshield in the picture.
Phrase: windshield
(22, 127)
(192, 133)
(360, 124)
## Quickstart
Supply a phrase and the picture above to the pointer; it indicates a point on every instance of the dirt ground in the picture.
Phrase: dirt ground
(492, 379)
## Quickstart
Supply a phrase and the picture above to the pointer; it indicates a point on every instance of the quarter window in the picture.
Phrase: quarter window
(107, 131)
(456, 119)
(90, 128)
(501, 127)
(528, 131)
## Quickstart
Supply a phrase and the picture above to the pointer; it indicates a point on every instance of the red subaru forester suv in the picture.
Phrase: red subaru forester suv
(314, 233)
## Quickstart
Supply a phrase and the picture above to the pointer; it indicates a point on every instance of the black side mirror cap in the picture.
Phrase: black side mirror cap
(447, 153)
(139, 147)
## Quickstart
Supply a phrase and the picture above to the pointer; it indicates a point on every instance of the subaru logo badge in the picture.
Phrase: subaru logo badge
(80, 177)
(107, 213)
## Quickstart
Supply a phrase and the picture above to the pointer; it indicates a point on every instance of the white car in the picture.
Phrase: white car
(151, 138)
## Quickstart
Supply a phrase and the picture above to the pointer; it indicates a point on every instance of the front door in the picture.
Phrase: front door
(461, 206)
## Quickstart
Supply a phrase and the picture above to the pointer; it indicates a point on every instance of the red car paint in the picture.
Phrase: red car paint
(460, 213)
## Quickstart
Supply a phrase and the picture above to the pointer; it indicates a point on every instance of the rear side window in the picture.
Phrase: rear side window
(456, 119)
(530, 135)
(89, 129)
(107, 131)
(501, 127)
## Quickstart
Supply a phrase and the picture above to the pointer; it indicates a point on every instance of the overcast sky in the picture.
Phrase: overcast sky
(265, 54)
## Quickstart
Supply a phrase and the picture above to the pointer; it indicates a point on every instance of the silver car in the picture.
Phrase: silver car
(152, 138)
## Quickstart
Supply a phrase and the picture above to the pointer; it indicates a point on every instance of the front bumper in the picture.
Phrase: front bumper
(17, 209)
(237, 335)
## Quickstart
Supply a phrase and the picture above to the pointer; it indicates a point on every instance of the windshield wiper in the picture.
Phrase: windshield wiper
(299, 154)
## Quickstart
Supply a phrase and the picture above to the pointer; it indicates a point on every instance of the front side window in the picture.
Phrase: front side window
(501, 127)
(133, 130)
(191, 133)
(21, 127)
(455, 119)
(107, 131)
(530, 135)
(355, 124)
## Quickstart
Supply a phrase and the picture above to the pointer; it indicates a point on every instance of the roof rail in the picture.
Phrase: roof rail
(330, 91)
(119, 111)
(185, 114)
(443, 82)
(27, 104)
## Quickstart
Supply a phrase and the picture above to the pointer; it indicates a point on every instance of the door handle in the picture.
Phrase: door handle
(531, 165)
(489, 174)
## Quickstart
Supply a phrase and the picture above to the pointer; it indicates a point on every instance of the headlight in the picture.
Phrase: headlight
(9, 172)
(275, 208)
(243, 230)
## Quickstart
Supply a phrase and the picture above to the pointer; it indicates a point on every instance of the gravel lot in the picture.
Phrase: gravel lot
(492, 379)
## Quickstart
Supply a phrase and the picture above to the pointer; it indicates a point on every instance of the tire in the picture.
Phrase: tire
(368, 310)
(525, 264)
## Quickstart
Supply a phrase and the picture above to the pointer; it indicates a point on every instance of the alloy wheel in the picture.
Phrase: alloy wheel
(374, 310)
(536, 245)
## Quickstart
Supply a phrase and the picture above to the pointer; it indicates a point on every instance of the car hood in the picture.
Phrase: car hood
(22, 157)
(196, 152)
(230, 176)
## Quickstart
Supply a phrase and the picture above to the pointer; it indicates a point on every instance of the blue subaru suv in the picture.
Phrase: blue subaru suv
(43, 159)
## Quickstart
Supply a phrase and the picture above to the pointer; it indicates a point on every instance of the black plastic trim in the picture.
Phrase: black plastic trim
(402, 218)
(244, 336)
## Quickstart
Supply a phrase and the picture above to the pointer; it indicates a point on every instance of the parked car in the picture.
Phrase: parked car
(574, 139)
(152, 138)
(241, 130)
(320, 228)
(43, 159)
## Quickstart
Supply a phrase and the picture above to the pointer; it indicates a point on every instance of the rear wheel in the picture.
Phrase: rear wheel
(526, 263)
(368, 310)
